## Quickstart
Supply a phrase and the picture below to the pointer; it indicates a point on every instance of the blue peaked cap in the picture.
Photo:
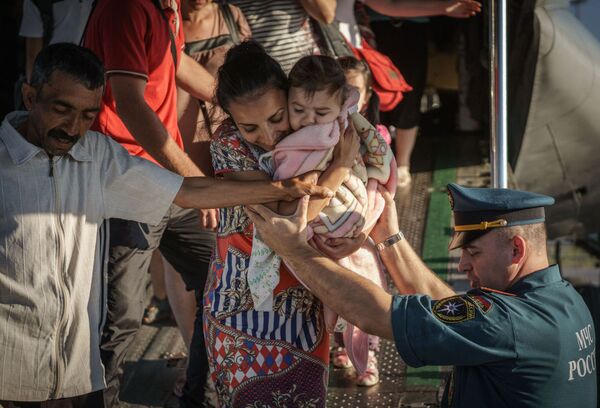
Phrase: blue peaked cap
(479, 210)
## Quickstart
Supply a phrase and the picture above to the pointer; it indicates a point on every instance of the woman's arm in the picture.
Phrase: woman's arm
(321, 10)
(424, 8)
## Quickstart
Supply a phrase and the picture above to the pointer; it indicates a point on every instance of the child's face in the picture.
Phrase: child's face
(357, 80)
(322, 107)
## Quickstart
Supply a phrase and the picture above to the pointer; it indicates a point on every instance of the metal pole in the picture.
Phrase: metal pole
(498, 93)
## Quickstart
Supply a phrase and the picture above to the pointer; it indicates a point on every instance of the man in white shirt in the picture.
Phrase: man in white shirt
(58, 183)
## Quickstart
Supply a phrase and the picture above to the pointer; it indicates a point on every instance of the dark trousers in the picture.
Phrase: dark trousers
(188, 248)
(91, 400)
(405, 43)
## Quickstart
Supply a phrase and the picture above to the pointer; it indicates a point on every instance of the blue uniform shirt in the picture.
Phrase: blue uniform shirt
(532, 346)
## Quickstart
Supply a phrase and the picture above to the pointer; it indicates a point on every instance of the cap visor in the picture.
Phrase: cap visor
(460, 239)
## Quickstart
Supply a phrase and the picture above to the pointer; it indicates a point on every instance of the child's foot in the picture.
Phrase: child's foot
(403, 176)
(340, 358)
(371, 376)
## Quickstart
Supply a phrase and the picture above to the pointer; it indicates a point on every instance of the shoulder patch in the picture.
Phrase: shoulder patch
(454, 309)
(481, 302)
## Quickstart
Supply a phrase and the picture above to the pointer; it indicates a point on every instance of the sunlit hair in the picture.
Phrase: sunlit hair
(78, 62)
(248, 72)
(534, 234)
(353, 65)
(318, 73)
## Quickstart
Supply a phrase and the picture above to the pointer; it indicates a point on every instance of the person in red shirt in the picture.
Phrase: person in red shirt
(140, 43)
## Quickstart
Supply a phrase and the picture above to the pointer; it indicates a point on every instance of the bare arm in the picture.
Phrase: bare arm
(208, 192)
(407, 270)
(146, 127)
(357, 299)
(256, 175)
(424, 8)
(33, 46)
(321, 10)
(195, 79)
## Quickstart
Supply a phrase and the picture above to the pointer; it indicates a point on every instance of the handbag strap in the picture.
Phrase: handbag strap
(171, 34)
(230, 22)
(335, 43)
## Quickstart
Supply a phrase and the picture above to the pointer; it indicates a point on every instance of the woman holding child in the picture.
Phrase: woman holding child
(260, 355)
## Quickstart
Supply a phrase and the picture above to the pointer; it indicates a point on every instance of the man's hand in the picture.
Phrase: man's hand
(209, 218)
(387, 225)
(286, 235)
(303, 185)
(463, 8)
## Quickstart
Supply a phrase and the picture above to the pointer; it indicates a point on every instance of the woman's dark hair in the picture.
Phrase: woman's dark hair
(317, 73)
(79, 62)
(248, 71)
(361, 67)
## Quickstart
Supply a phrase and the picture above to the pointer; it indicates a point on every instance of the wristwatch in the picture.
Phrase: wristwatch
(390, 241)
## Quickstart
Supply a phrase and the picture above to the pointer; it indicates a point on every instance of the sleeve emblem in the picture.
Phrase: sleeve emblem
(482, 303)
(454, 309)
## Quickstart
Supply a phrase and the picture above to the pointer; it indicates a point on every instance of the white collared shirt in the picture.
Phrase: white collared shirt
(52, 296)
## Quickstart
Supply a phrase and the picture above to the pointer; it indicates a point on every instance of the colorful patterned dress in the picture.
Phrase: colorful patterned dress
(258, 359)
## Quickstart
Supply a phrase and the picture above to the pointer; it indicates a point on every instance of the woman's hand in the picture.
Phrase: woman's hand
(346, 150)
(463, 8)
(387, 224)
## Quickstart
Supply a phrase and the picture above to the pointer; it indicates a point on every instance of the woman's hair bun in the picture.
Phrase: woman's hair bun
(244, 49)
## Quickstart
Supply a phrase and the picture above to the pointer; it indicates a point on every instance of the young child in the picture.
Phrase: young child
(318, 96)
(359, 76)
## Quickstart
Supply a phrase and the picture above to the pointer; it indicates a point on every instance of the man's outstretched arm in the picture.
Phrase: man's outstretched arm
(208, 192)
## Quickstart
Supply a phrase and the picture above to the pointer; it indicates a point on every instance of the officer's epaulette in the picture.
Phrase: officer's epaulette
(490, 290)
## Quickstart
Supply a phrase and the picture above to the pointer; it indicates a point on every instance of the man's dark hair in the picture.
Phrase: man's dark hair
(79, 62)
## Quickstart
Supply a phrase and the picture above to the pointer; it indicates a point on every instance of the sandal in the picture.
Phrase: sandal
(371, 376)
(157, 311)
(340, 358)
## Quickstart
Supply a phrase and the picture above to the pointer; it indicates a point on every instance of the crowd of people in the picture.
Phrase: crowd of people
(240, 151)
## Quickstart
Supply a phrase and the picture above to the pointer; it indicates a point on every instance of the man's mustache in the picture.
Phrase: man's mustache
(62, 135)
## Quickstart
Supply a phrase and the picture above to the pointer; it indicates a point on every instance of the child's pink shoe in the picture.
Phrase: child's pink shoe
(340, 358)
(371, 376)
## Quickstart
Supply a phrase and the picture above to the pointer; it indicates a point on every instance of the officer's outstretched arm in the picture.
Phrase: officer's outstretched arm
(407, 270)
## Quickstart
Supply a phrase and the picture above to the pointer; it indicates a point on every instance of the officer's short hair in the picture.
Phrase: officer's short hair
(79, 62)
(535, 234)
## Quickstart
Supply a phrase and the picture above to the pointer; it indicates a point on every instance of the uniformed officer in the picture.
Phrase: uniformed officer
(522, 337)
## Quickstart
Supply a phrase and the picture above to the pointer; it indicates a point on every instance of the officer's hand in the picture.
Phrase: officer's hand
(286, 235)
(387, 225)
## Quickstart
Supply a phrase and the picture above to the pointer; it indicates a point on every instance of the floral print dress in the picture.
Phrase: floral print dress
(275, 358)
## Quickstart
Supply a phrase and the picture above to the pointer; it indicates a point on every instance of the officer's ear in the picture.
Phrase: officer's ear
(519, 249)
